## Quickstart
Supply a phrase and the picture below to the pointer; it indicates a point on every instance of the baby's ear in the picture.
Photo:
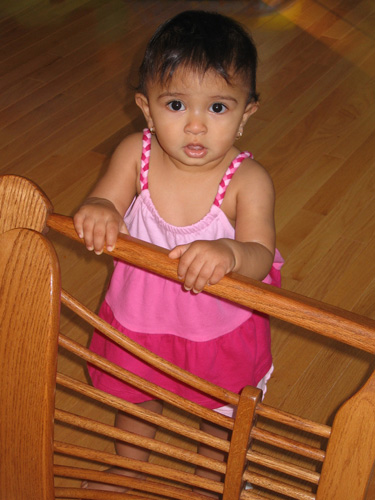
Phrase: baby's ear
(251, 108)
(142, 101)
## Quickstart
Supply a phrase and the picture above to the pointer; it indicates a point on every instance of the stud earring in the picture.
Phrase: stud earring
(239, 135)
(152, 130)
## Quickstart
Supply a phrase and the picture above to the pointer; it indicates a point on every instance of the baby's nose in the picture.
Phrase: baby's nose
(196, 124)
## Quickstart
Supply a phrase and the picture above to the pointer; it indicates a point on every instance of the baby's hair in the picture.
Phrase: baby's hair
(201, 41)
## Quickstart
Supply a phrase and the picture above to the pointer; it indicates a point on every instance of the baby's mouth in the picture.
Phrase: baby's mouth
(195, 150)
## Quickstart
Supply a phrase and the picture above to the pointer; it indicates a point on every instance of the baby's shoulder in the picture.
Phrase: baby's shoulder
(252, 172)
(131, 146)
(126, 159)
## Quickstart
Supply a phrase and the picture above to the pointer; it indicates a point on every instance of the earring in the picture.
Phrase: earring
(152, 130)
(239, 135)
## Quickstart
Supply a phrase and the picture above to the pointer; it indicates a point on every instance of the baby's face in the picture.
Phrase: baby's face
(197, 117)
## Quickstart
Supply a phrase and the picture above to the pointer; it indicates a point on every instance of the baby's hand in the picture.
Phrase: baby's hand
(203, 263)
(98, 223)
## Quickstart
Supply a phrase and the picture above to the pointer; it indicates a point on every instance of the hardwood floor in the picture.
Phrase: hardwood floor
(67, 72)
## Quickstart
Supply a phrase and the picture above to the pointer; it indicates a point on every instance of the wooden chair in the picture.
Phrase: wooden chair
(336, 463)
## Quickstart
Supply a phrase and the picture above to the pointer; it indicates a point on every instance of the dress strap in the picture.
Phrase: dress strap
(145, 165)
(228, 176)
(145, 158)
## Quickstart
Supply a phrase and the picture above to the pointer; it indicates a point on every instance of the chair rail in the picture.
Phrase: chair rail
(321, 318)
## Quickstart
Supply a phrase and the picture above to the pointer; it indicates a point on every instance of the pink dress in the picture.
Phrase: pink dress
(221, 342)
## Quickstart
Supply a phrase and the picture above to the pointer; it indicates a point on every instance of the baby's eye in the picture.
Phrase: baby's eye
(176, 106)
(218, 107)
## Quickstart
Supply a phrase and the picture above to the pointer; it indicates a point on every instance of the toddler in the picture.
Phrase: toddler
(182, 184)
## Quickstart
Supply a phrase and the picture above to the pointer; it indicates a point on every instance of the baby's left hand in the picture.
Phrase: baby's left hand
(203, 262)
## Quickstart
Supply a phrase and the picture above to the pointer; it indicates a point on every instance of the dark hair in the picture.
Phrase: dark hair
(202, 41)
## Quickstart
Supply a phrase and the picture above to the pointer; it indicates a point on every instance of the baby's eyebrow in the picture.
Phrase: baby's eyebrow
(213, 97)
(224, 98)
(171, 94)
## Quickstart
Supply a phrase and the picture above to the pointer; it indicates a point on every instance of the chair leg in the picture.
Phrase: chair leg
(250, 397)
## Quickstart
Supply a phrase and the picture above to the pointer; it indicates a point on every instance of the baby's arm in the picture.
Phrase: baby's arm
(100, 218)
(252, 251)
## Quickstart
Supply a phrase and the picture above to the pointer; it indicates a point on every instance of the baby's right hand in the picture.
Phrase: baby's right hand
(98, 223)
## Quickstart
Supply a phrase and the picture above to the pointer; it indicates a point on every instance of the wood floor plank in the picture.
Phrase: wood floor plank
(43, 35)
(354, 271)
(12, 11)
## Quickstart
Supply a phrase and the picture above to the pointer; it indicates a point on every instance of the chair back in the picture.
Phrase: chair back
(269, 453)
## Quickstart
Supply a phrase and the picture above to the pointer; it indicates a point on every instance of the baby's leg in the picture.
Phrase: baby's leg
(207, 451)
(132, 424)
